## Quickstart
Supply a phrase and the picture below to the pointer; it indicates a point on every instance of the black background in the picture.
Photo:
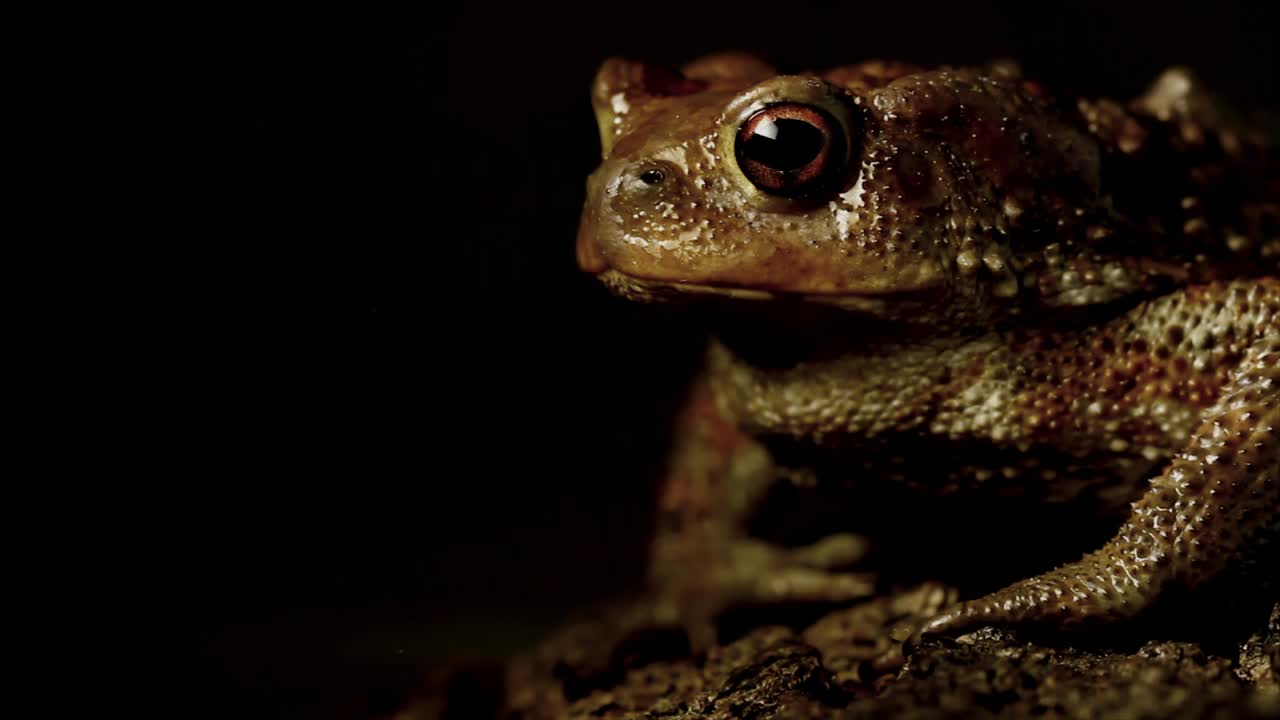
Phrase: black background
(410, 423)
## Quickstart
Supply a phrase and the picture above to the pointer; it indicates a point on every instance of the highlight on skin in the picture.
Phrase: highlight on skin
(953, 255)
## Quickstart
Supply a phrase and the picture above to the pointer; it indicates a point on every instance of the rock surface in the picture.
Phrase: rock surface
(835, 668)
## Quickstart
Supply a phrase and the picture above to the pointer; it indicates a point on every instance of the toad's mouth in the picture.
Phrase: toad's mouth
(905, 304)
(774, 329)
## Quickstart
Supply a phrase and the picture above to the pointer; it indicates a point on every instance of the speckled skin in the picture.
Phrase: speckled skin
(1080, 294)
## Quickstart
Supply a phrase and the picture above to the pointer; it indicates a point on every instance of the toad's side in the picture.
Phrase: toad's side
(954, 281)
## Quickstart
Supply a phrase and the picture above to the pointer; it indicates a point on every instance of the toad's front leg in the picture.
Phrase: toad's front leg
(1194, 520)
(704, 561)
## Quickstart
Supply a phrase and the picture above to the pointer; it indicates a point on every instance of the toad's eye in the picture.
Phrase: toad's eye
(791, 150)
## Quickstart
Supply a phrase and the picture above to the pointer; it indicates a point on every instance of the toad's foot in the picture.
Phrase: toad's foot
(1196, 518)
(691, 591)
(761, 573)
(757, 573)
(751, 573)
(1101, 586)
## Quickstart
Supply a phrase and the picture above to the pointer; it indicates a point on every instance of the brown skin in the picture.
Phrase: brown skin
(1082, 294)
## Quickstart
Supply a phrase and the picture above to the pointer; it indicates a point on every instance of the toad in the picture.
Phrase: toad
(955, 280)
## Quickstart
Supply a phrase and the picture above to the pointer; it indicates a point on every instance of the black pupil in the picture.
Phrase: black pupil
(794, 143)
(651, 177)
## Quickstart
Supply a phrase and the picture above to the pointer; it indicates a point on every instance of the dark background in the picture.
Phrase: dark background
(413, 424)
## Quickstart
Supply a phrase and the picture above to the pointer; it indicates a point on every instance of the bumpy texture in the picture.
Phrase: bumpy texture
(1260, 657)
(1217, 493)
(825, 671)
(954, 281)
(978, 324)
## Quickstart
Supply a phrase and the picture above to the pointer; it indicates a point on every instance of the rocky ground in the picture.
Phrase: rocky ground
(842, 666)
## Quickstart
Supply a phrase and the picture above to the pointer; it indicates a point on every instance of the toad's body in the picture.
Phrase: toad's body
(1080, 298)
